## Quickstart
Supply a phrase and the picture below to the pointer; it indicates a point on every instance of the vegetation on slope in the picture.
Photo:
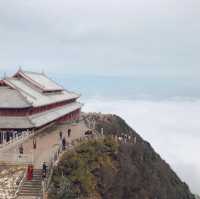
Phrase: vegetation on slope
(75, 174)
(104, 169)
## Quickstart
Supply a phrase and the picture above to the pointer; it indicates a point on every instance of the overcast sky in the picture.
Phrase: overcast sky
(104, 37)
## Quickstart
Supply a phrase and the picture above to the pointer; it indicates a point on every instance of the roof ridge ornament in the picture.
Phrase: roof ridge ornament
(4, 75)
(20, 69)
(43, 71)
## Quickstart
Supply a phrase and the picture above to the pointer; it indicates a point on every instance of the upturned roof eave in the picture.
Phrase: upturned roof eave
(20, 94)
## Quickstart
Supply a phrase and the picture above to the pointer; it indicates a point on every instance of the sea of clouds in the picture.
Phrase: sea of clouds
(171, 126)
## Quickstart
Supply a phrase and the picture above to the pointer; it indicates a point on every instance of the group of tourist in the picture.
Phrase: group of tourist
(29, 174)
(63, 145)
(44, 166)
(21, 148)
(126, 138)
(62, 139)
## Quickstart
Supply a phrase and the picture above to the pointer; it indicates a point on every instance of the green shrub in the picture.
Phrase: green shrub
(74, 174)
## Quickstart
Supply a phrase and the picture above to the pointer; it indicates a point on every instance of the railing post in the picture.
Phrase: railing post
(33, 156)
(102, 131)
(43, 189)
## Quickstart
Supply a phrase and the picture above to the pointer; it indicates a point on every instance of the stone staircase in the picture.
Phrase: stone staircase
(32, 188)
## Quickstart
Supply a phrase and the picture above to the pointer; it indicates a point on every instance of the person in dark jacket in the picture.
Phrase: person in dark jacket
(69, 132)
(44, 170)
(63, 143)
(34, 143)
(21, 150)
(61, 135)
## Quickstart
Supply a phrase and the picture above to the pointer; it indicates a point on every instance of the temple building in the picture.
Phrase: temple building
(31, 101)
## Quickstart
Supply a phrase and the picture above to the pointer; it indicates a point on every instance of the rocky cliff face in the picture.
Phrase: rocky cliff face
(117, 170)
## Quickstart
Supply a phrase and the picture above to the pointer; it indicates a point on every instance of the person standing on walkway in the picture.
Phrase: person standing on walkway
(21, 150)
(69, 132)
(44, 170)
(63, 144)
(61, 134)
(34, 143)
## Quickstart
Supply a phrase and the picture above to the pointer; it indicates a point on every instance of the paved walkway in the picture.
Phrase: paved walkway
(48, 140)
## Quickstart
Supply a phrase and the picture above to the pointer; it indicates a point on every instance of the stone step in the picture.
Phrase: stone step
(33, 180)
(31, 191)
(37, 171)
(37, 175)
(32, 185)
(30, 194)
(31, 188)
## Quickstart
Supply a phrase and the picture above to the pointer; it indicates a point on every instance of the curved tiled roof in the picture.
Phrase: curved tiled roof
(11, 98)
(40, 80)
(27, 89)
(34, 95)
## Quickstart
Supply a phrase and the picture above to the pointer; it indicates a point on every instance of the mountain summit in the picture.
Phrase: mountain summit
(106, 168)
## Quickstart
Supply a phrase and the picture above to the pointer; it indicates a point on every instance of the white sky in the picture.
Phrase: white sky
(106, 37)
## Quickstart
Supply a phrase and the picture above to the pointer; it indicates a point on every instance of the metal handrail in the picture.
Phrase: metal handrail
(16, 140)
(20, 184)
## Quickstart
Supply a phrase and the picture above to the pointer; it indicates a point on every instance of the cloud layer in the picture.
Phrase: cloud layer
(172, 127)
